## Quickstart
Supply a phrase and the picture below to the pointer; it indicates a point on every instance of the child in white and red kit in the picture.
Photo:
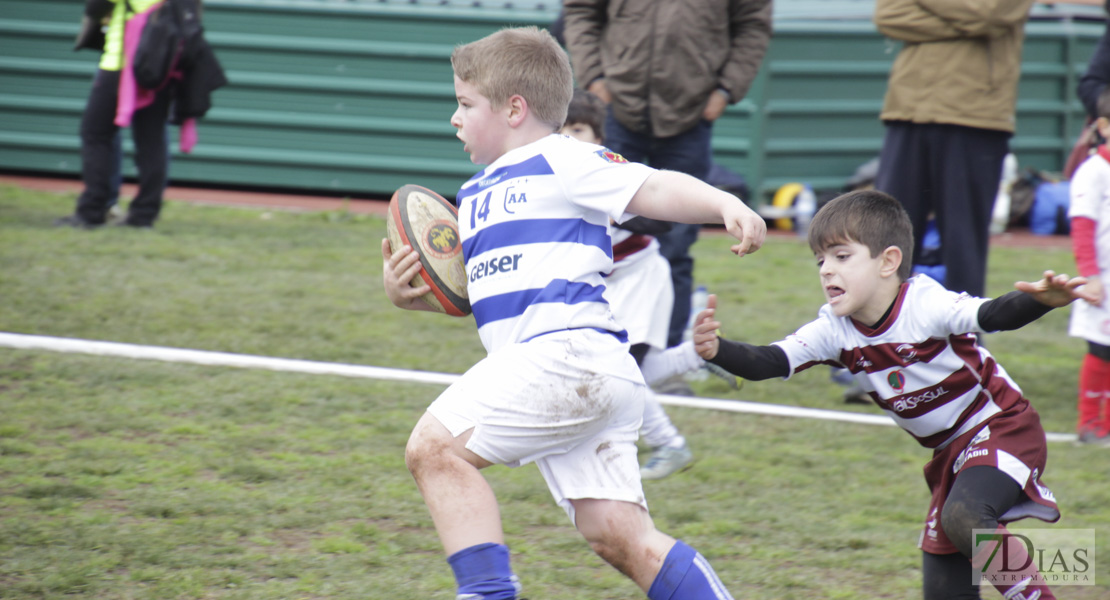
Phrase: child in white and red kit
(1090, 232)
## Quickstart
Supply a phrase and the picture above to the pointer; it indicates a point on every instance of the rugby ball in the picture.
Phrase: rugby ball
(429, 224)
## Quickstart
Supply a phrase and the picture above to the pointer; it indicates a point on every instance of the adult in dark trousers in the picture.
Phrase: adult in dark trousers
(99, 149)
(949, 113)
(667, 70)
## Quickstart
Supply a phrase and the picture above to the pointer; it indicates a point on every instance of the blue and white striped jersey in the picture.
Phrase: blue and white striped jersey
(535, 233)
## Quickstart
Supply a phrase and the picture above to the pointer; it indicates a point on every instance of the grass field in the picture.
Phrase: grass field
(129, 479)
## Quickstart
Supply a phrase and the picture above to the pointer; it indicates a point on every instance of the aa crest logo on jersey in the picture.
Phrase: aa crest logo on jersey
(610, 156)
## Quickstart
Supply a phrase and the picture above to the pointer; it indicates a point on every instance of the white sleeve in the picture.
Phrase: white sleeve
(602, 180)
(964, 317)
(940, 312)
(812, 344)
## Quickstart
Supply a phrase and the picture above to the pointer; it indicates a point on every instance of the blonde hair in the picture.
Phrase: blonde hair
(525, 61)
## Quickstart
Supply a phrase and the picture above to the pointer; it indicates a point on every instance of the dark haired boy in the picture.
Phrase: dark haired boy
(913, 347)
(585, 118)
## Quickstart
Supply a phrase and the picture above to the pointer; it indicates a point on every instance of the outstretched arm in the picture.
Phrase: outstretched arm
(398, 269)
(674, 196)
(1030, 302)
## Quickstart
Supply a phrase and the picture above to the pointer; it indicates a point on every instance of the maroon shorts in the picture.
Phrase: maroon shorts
(1012, 441)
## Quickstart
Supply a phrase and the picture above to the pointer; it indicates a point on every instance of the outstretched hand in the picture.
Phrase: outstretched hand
(398, 269)
(1057, 290)
(1095, 290)
(706, 342)
(746, 225)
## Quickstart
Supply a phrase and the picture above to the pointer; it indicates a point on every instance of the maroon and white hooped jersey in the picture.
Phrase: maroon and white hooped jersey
(922, 364)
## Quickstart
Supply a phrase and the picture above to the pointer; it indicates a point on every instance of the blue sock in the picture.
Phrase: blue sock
(484, 570)
(686, 575)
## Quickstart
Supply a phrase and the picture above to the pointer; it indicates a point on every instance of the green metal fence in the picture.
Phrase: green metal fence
(354, 96)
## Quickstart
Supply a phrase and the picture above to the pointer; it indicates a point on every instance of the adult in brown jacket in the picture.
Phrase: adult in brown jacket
(667, 70)
(949, 113)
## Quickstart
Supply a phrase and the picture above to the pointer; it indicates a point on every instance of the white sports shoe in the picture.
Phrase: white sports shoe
(667, 461)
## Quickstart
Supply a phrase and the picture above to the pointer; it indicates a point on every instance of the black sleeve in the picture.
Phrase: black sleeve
(754, 363)
(1011, 311)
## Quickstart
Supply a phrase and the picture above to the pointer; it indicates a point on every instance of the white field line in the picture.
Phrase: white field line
(247, 361)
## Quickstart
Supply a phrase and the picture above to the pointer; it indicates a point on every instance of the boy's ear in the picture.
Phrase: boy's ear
(891, 261)
(517, 109)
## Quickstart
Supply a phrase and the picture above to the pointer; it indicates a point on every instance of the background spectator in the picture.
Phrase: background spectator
(949, 112)
(100, 149)
(667, 70)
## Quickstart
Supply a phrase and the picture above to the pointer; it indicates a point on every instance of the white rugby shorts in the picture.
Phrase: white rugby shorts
(570, 401)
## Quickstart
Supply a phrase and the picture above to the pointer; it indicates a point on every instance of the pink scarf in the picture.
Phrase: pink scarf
(131, 96)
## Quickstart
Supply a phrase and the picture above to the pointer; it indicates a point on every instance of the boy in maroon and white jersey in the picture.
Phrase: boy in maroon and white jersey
(913, 346)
